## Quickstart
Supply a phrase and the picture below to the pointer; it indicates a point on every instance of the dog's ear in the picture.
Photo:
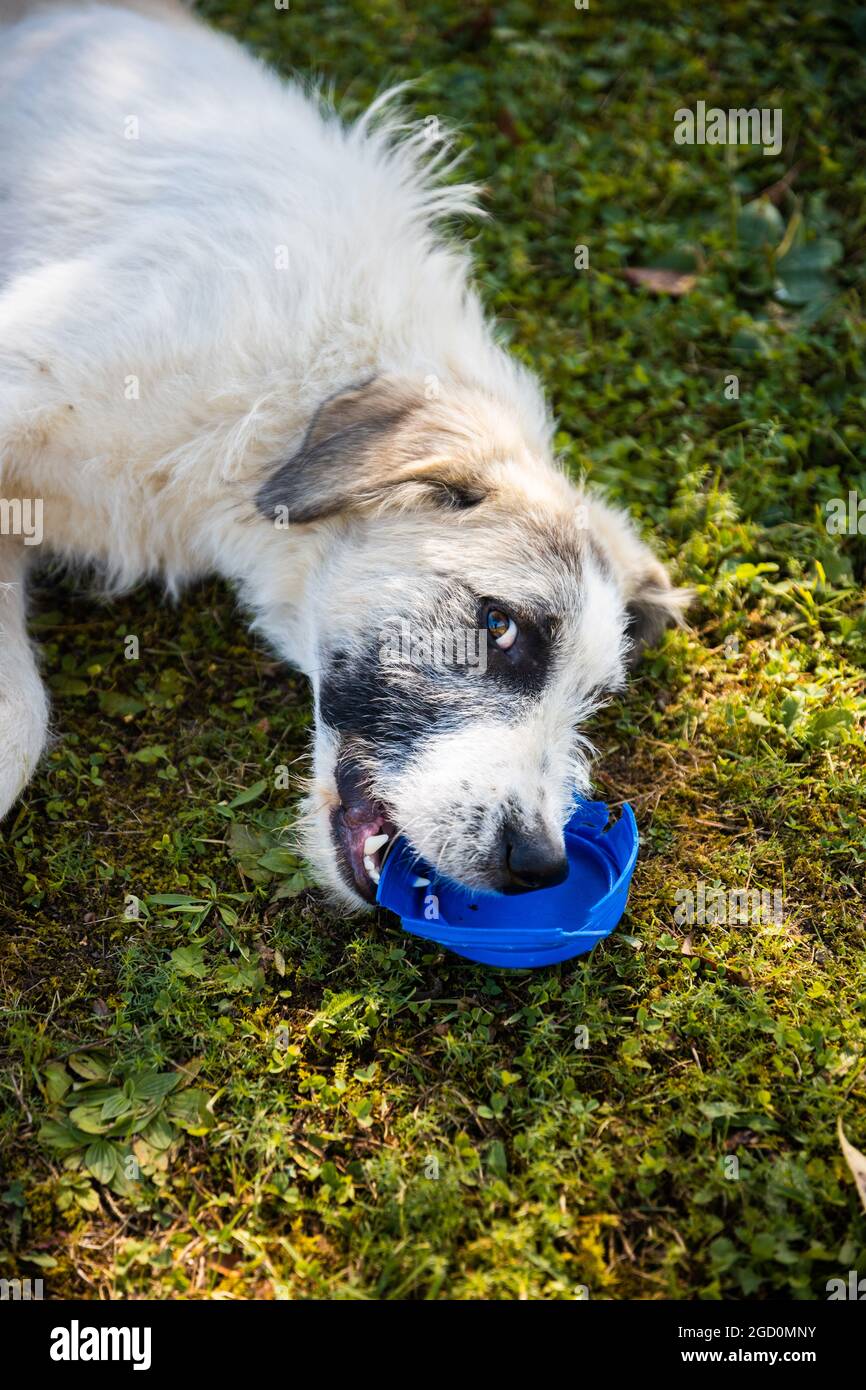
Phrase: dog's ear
(652, 603)
(655, 605)
(371, 444)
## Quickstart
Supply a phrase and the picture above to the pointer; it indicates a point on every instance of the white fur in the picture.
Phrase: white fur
(155, 360)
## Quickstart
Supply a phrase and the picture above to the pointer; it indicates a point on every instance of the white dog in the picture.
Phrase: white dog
(232, 341)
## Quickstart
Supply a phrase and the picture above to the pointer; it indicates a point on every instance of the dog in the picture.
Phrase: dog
(235, 339)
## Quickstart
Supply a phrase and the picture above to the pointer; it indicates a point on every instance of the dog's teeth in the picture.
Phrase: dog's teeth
(371, 868)
(374, 842)
(420, 882)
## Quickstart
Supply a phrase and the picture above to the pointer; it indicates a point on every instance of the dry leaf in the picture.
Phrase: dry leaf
(505, 123)
(856, 1162)
(661, 281)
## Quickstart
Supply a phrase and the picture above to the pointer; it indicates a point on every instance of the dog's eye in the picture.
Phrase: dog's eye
(502, 629)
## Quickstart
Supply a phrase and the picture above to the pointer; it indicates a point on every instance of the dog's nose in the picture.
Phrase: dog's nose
(532, 860)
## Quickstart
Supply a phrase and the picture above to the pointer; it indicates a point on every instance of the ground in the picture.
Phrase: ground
(240, 1093)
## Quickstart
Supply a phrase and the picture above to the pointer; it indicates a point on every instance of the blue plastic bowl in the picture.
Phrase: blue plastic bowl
(529, 929)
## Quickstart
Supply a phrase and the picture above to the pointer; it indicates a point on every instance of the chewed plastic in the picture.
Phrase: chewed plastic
(529, 929)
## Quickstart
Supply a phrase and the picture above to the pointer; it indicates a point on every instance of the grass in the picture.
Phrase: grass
(239, 1094)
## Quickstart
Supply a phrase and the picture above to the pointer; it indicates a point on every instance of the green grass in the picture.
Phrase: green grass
(279, 1102)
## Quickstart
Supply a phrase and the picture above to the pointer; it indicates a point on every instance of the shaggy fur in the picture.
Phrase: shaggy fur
(232, 341)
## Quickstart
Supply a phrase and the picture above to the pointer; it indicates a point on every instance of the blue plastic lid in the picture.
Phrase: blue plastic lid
(528, 929)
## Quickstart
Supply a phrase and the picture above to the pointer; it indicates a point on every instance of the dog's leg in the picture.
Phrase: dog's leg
(23, 701)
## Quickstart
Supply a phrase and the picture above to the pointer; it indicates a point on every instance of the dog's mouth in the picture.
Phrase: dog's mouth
(362, 829)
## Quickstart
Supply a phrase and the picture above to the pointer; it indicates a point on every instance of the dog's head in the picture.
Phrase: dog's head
(471, 609)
